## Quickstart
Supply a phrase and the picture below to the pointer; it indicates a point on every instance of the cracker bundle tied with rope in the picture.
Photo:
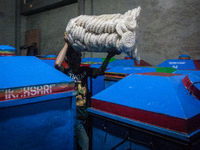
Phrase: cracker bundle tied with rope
(104, 32)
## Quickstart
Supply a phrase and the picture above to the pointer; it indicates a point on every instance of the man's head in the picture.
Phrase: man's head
(73, 58)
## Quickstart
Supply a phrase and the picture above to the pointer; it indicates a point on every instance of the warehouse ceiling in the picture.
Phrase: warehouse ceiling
(30, 7)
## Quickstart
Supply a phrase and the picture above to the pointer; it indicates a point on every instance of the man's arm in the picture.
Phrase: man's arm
(101, 70)
(61, 55)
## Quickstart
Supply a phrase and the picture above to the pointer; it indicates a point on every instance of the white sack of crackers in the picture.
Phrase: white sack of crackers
(105, 32)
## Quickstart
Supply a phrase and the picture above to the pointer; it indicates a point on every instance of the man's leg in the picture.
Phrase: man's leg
(81, 135)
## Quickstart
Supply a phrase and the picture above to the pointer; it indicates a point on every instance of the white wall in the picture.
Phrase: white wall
(7, 23)
(167, 28)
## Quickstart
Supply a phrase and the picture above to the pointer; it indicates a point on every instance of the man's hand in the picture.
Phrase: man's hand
(65, 38)
(112, 52)
(62, 54)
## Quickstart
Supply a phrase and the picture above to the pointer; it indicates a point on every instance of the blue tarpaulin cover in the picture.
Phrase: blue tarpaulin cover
(37, 105)
(162, 95)
(27, 76)
(129, 70)
(178, 64)
(6, 48)
(17, 71)
(194, 72)
(121, 62)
